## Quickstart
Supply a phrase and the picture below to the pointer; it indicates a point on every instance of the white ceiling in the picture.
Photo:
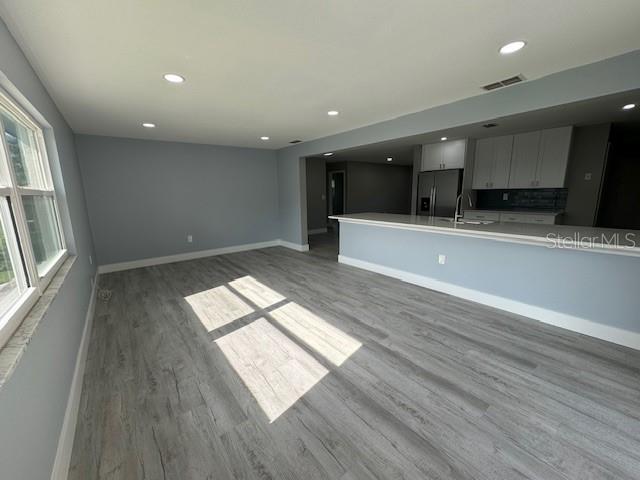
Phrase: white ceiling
(257, 67)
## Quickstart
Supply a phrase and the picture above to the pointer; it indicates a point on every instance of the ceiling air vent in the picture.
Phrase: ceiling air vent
(295, 141)
(504, 83)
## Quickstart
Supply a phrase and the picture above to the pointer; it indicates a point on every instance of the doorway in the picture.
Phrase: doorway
(337, 192)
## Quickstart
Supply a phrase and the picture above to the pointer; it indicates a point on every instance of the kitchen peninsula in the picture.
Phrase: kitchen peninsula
(577, 278)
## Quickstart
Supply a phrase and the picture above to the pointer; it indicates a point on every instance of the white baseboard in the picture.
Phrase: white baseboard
(576, 324)
(67, 433)
(316, 231)
(181, 257)
(294, 246)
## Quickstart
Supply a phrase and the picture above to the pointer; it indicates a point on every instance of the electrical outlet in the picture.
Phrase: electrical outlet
(442, 259)
(189, 238)
(587, 176)
(505, 196)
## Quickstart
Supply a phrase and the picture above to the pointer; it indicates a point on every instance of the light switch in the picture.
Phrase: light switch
(442, 259)
(189, 238)
(587, 176)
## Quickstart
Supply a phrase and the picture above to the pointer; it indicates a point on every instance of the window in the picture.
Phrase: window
(32, 246)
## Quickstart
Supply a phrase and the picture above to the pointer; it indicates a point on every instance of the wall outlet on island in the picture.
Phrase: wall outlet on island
(505, 196)
(442, 259)
(189, 238)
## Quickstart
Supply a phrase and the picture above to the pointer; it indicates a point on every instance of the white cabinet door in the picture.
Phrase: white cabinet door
(554, 157)
(431, 157)
(502, 150)
(441, 156)
(481, 215)
(539, 219)
(524, 160)
(483, 164)
(453, 153)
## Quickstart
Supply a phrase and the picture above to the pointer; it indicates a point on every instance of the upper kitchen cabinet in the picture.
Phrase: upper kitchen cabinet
(524, 161)
(540, 158)
(492, 163)
(444, 155)
(555, 144)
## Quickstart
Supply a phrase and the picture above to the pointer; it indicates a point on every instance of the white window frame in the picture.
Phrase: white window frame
(36, 283)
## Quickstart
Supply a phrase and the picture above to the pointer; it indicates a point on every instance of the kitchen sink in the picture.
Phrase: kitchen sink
(468, 222)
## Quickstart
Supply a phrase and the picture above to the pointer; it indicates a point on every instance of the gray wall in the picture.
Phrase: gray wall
(609, 76)
(588, 151)
(592, 286)
(316, 193)
(33, 401)
(144, 197)
(374, 187)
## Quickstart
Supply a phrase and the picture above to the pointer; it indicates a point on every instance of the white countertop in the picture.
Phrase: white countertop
(602, 240)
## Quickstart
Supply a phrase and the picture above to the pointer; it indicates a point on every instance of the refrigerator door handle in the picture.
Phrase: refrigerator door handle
(433, 201)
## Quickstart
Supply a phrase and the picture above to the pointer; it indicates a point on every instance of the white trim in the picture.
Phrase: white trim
(16, 313)
(294, 246)
(316, 231)
(181, 257)
(67, 433)
(576, 324)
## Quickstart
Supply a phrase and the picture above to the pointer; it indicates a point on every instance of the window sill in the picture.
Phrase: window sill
(12, 352)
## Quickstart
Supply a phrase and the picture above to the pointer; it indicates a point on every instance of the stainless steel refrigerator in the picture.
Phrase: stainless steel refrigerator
(437, 192)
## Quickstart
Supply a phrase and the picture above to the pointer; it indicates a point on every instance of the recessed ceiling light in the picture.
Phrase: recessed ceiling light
(173, 78)
(333, 113)
(264, 138)
(443, 138)
(149, 125)
(328, 154)
(629, 106)
(512, 47)
(389, 159)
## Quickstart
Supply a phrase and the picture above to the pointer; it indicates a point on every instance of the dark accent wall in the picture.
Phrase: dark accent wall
(376, 187)
(316, 193)
(588, 153)
(620, 202)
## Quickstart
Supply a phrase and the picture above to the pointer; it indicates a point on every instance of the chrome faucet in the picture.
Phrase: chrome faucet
(458, 215)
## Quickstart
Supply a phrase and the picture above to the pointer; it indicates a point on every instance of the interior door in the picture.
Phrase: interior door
(447, 187)
(336, 193)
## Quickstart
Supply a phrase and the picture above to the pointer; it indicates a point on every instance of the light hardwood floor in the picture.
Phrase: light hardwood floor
(274, 364)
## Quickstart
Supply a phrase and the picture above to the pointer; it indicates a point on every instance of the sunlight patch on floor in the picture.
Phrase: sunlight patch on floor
(329, 341)
(275, 369)
(217, 307)
(256, 292)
